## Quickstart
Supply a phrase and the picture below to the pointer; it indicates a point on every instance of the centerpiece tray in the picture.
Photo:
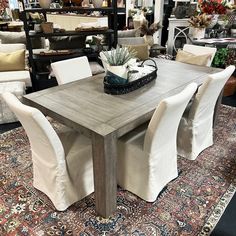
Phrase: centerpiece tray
(117, 89)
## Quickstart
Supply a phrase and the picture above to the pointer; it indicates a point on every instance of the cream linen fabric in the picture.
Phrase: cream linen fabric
(71, 69)
(195, 130)
(21, 75)
(17, 88)
(201, 50)
(10, 76)
(147, 158)
(62, 163)
(190, 58)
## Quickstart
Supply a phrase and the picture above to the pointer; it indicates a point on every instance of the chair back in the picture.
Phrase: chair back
(201, 50)
(162, 129)
(204, 101)
(71, 69)
(8, 48)
(45, 144)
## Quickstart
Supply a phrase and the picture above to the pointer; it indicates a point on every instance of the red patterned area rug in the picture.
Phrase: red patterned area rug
(190, 205)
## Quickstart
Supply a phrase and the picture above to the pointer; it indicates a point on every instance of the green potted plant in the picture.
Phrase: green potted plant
(220, 58)
(115, 62)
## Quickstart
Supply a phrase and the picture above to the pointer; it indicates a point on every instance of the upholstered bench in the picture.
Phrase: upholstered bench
(18, 88)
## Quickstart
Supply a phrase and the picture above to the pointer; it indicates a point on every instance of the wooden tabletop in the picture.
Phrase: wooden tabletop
(85, 104)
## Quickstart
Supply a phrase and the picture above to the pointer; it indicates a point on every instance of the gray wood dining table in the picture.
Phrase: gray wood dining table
(83, 106)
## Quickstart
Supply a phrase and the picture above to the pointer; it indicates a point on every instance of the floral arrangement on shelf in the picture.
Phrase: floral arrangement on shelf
(200, 21)
(214, 6)
(145, 30)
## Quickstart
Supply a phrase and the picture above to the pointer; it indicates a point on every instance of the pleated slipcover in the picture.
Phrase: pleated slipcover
(147, 156)
(195, 131)
(62, 163)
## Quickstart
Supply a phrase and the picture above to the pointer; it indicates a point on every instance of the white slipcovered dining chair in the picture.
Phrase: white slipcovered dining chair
(195, 132)
(62, 162)
(147, 156)
(201, 50)
(71, 70)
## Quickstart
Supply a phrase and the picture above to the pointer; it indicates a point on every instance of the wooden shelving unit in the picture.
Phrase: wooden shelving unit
(111, 32)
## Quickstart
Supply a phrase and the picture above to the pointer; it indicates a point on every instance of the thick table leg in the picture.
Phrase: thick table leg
(104, 164)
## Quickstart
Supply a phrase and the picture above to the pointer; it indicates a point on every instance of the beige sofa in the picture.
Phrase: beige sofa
(14, 75)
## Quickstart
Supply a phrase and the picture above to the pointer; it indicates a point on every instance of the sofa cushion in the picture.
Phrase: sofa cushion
(12, 61)
(128, 33)
(9, 76)
(67, 42)
(131, 41)
(19, 37)
(7, 48)
(190, 58)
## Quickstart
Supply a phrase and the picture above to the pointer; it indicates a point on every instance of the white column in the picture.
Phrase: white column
(158, 16)
(128, 6)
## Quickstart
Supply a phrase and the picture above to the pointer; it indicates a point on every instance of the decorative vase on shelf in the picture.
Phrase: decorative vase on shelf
(97, 3)
(148, 39)
(45, 3)
(198, 33)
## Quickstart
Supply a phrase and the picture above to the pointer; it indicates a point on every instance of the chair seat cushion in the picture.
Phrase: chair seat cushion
(9, 76)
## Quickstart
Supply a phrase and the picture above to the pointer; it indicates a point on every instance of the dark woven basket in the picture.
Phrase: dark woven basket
(117, 89)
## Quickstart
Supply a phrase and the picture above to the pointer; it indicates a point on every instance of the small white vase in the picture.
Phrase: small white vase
(97, 3)
(198, 33)
(120, 71)
(45, 3)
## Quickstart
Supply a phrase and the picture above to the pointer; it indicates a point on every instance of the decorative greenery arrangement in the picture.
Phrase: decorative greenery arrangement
(145, 30)
(200, 21)
(214, 6)
(220, 58)
(119, 56)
